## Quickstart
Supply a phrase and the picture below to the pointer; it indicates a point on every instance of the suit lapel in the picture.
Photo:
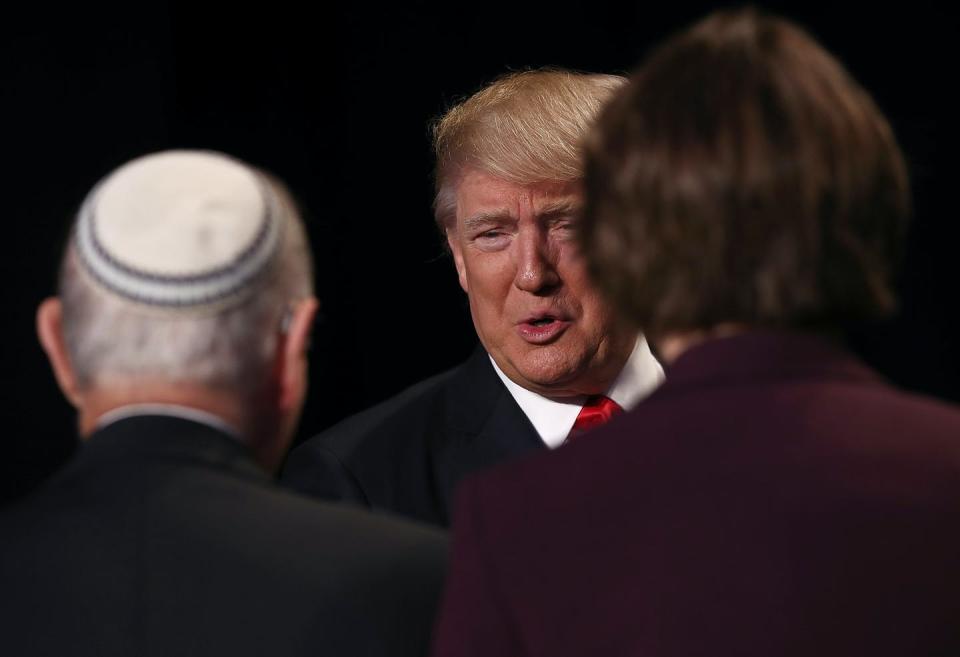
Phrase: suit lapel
(484, 426)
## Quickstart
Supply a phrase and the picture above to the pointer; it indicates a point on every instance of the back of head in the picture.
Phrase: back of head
(526, 127)
(179, 270)
(744, 177)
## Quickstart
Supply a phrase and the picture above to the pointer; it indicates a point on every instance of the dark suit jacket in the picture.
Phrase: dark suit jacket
(163, 537)
(408, 454)
(773, 498)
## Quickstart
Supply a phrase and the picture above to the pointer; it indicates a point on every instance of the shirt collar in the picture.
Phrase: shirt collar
(172, 410)
(553, 420)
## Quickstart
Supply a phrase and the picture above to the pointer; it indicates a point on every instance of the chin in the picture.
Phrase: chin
(548, 370)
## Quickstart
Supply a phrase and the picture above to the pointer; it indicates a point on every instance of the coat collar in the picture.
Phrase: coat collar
(484, 426)
(478, 402)
(764, 356)
(165, 438)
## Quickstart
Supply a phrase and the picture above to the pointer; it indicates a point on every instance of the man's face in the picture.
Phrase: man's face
(532, 306)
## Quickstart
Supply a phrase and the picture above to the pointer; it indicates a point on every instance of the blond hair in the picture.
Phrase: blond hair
(524, 127)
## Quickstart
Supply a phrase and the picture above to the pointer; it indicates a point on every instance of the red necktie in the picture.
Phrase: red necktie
(596, 411)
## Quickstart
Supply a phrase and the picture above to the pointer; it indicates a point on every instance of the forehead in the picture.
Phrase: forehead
(479, 191)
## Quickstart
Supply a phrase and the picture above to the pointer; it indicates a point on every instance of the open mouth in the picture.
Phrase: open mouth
(543, 321)
(542, 329)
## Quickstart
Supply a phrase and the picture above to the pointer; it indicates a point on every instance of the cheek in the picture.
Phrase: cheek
(597, 318)
(487, 299)
(573, 270)
(488, 313)
(596, 312)
(489, 280)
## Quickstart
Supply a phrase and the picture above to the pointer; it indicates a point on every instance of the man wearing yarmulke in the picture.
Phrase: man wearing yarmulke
(179, 334)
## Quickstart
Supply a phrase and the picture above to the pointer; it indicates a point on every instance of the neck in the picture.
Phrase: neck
(98, 401)
(263, 432)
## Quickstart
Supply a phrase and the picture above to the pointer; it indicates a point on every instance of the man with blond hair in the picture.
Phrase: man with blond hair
(553, 358)
(180, 334)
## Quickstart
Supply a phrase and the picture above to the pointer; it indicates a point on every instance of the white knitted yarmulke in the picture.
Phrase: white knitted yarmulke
(181, 230)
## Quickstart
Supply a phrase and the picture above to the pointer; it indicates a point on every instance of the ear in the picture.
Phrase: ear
(50, 333)
(457, 252)
(293, 355)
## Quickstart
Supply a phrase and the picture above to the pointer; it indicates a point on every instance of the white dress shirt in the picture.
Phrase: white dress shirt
(553, 420)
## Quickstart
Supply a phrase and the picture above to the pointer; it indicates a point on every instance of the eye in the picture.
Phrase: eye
(488, 233)
(565, 226)
(492, 239)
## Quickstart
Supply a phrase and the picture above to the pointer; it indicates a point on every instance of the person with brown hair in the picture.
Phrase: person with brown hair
(554, 359)
(745, 202)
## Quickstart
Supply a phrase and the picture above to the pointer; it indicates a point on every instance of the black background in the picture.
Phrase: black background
(336, 101)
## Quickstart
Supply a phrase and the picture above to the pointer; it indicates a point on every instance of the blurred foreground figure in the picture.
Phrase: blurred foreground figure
(180, 335)
(745, 199)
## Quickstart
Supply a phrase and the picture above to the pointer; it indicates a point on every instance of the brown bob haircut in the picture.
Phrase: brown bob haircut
(742, 176)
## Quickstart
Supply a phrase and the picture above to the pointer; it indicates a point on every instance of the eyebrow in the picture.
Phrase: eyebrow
(486, 218)
(560, 206)
(552, 209)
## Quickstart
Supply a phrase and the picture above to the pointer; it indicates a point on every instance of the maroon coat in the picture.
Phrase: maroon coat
(773, 498)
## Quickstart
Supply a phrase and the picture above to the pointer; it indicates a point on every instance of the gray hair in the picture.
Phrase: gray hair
(112, 341)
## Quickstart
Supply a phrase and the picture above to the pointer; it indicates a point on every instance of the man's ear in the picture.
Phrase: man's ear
(50, 333)
(293, 357)
(457, 253)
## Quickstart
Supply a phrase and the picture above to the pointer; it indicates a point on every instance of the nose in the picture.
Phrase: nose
(536, 266)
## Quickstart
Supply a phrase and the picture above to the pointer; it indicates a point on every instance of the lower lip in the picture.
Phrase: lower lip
(542, 333)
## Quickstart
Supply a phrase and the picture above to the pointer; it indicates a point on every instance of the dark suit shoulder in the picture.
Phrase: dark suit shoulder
(410, 409)
(271, 521)
(381, 457)
(379, 577)
(301, 520)
(266, 571)
(407, 454)
(369, 549)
